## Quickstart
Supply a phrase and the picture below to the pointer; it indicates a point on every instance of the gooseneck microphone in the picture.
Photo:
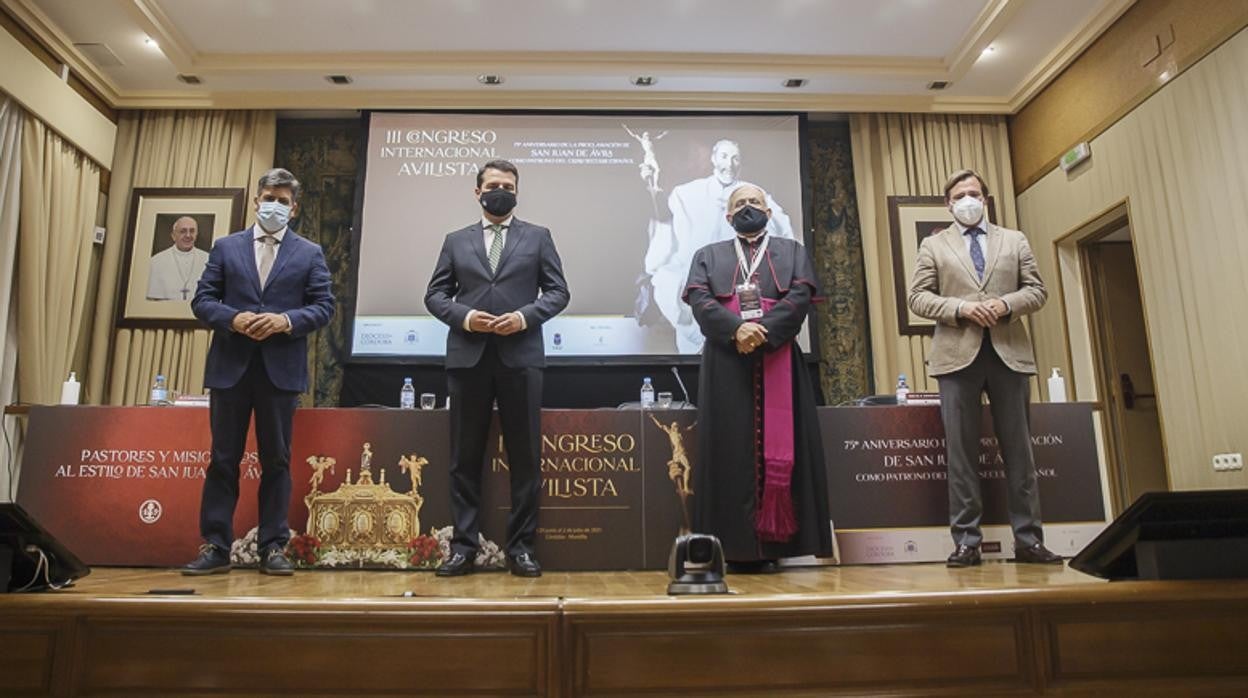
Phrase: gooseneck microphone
(682, 386)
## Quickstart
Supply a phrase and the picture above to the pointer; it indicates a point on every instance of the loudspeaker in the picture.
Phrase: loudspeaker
(37, 560)
(1173, 535)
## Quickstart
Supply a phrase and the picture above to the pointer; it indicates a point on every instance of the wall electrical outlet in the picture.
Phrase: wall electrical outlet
(1228, 461)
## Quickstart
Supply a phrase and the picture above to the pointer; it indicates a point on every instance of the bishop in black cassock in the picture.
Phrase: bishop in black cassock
(759, 483)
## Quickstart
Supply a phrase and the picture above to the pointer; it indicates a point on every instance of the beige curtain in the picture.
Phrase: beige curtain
(912, 155)
(167, 149)
(11, 118)
(60, 193)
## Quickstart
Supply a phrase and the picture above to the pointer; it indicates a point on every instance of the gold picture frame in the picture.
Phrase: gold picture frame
(156, 287)
(910, 219)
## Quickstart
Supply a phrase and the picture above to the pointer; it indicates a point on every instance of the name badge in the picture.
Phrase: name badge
(750, 300)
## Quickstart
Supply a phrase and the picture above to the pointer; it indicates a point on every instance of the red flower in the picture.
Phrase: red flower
(423, 552)
(305, 550)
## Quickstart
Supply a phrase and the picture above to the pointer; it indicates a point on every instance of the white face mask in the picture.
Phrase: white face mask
(272, 215)
(968, 210)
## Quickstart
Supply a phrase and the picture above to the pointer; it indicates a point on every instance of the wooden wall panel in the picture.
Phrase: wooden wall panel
(1179, 648)
(1180, 162)
(1107, 80)
(824, 651)
(35, 654)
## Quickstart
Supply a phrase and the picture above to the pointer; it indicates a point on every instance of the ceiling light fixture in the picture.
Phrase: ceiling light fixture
(151, 43)
(794, 82)
(490, 79)
(643, 80)
(988, 50)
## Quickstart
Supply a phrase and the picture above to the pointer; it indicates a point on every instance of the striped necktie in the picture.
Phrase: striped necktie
(496, 247)
(977, 255)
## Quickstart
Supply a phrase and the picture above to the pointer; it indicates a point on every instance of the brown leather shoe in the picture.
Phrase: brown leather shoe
(964, 556)
(1037, 554)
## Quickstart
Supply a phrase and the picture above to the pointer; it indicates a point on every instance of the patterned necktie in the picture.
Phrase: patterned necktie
(977, 255)
(496, 247)
(268, 252)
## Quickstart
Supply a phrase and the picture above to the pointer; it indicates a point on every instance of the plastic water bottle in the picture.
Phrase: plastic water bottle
(160, 391)
(69, 390)
(647, 394)
(1057, 387)
(903, 389)
(407, 396)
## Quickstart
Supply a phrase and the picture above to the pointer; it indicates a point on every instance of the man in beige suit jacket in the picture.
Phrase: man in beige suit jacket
(977, 280)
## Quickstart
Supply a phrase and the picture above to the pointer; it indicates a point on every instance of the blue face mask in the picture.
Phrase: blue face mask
(272, 215)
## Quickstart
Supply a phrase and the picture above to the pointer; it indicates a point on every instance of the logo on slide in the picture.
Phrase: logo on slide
(412, 337)
(558, 341)
(150, 511)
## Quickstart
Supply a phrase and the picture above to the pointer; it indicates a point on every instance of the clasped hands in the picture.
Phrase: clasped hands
(986, 313)
(259, 326)
(505, 324)
(749, 336)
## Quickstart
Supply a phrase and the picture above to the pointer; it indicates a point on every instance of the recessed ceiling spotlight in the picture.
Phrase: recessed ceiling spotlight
(643, 80)
(988, 50)
(150, 42)
(795, 82)
(339, 79)
(490, 79)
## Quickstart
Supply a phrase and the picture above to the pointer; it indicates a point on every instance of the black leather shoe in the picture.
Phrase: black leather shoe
(525, 565)
(457, 565)
(211, 560)
(1037, 554)
(964, 556)
(274, 561)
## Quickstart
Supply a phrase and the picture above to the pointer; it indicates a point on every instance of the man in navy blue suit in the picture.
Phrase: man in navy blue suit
(494, 284)
(263, 291)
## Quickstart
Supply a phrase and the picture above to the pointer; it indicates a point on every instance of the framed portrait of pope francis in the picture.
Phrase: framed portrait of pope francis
(168, 237)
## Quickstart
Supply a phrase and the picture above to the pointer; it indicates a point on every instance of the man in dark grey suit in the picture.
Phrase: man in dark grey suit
(494, 285)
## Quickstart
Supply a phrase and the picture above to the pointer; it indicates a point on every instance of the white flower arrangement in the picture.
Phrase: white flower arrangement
(489, 555)
(353, 557)
(246, 550)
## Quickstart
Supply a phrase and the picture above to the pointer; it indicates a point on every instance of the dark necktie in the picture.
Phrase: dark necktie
(977, 255)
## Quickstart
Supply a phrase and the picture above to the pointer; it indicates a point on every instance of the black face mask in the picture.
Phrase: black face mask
(498, 202)
(749, 220)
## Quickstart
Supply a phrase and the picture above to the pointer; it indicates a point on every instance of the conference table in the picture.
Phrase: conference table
(121, 485)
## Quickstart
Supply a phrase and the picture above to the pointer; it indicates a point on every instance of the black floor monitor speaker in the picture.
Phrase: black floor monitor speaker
(1173, 535)
(35, 560)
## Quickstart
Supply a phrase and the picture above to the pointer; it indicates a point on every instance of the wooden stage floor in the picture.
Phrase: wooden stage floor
(999, 629)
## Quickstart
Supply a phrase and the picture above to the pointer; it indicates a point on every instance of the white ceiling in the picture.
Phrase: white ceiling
(705, 54)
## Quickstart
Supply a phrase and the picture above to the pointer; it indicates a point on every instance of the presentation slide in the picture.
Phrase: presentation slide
(627, 198)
